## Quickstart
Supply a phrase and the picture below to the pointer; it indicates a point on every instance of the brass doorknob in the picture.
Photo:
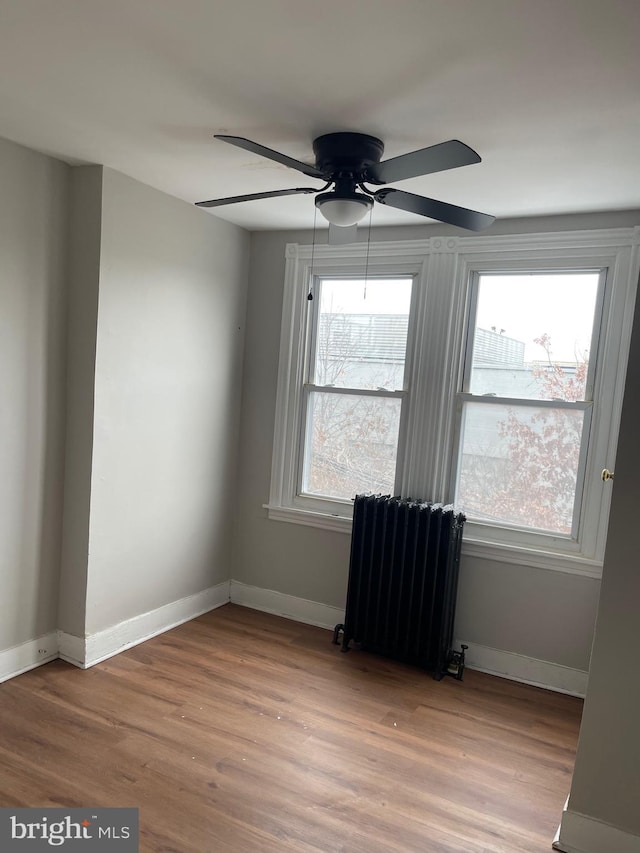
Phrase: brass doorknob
(606, 475)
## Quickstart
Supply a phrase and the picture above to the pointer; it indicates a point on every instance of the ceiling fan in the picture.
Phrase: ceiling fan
(348, 161)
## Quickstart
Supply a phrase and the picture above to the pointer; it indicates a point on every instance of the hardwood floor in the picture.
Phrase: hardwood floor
(241, 731)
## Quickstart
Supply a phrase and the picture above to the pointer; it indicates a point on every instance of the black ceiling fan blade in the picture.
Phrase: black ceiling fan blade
(270, 154)
(234, 199)
(436, 158)
(440, 210)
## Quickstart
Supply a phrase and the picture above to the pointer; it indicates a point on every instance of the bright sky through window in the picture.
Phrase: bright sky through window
(525, 307)
(375, 296)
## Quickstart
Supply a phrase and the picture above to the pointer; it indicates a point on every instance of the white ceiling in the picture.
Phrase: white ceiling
(547, 91)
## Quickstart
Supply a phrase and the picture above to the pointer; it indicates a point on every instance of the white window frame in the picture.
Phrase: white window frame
(585, 511)
(318, 502)
(443, 268)
(386, 260)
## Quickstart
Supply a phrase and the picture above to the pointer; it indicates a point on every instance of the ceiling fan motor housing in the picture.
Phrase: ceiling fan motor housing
(344, 153)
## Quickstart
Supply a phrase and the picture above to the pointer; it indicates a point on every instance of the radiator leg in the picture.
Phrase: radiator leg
(461, 667)
(454, 665)
(336, 637)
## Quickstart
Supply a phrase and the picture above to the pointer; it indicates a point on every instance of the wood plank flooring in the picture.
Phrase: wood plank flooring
(241, 731)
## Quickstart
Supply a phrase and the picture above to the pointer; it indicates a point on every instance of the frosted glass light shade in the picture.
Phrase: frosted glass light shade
(343, 211)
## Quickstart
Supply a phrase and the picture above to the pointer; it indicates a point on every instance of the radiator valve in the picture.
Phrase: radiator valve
(455, 664)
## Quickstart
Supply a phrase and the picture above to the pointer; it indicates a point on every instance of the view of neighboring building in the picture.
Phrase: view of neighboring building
(499, 367)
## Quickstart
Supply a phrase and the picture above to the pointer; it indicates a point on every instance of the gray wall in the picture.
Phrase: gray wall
(121, 344)
(33, 234)
(530, 611)
(170, 340)
(82, 319)
(606, 781)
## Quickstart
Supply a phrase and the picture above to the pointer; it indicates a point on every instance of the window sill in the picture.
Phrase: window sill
(519, 556)
(573, 564)
(324, 520)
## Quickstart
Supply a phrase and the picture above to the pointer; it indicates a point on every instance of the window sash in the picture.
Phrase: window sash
(586, 407)
(474, 290)
(313, 320)
(306, 442)
(361, 392)
(465, 397)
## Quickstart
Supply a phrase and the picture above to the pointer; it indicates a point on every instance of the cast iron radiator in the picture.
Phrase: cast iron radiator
(403, 580)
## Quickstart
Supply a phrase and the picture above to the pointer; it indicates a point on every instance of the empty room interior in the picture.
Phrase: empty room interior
(320, 365)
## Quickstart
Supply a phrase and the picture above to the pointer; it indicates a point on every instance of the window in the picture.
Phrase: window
(527, 398)
(355, 386)
(483, 370)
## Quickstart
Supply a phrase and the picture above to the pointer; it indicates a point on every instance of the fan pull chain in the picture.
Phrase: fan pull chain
(313, 251)
(366, 263)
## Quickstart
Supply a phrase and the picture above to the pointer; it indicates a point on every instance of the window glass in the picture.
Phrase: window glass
(532, 335)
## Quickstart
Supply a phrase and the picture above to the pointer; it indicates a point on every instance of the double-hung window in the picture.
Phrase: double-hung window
(539, 393)
(483, 371)
(355, 386)
(527, 398)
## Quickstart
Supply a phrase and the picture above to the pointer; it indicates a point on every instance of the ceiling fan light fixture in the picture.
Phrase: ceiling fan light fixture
(343, 209)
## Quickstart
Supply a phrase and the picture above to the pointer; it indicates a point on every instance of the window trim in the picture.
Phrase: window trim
(345, 261)
(426, 466)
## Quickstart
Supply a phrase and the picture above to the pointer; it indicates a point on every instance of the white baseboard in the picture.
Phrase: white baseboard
(289, 606)
(540, 673)
(581, 834)
(29, 655)
(88, 651)
(72, 649)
